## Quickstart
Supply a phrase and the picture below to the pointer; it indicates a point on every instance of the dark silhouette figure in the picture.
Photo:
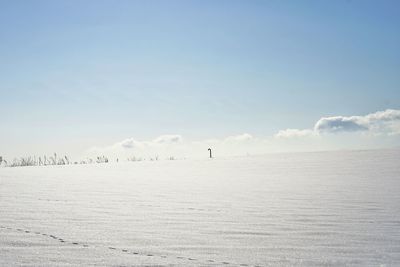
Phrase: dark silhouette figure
(210, 153)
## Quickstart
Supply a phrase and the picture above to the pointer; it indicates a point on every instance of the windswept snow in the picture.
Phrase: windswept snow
(307, 209)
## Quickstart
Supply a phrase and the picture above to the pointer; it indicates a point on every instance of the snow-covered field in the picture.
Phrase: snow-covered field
(308, 209)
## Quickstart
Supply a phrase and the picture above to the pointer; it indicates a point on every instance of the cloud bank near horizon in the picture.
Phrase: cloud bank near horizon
(379, 123)
(171, 145)
(376, 130)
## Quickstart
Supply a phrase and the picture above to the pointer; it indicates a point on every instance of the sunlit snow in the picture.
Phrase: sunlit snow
(307, 209)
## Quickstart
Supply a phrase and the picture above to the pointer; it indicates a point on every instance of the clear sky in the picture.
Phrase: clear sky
(78, 74)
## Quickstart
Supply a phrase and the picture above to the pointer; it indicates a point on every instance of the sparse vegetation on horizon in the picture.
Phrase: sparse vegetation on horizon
(65, 160)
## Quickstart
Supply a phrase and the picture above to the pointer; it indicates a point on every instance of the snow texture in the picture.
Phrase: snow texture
(305, 209)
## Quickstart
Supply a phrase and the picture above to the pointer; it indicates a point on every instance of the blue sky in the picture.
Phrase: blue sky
(77, 74)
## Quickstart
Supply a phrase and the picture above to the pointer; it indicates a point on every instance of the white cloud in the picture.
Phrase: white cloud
(239, 138)
(129, 143)
(378, 123)
(340, 124)
(381, 122)
(289, 133)
(168, 139)
(133, 147)
(387, 115)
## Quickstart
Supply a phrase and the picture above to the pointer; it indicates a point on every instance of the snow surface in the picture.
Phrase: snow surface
(307, 209)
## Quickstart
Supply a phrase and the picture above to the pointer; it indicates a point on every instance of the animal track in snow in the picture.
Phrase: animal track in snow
(62, 240)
